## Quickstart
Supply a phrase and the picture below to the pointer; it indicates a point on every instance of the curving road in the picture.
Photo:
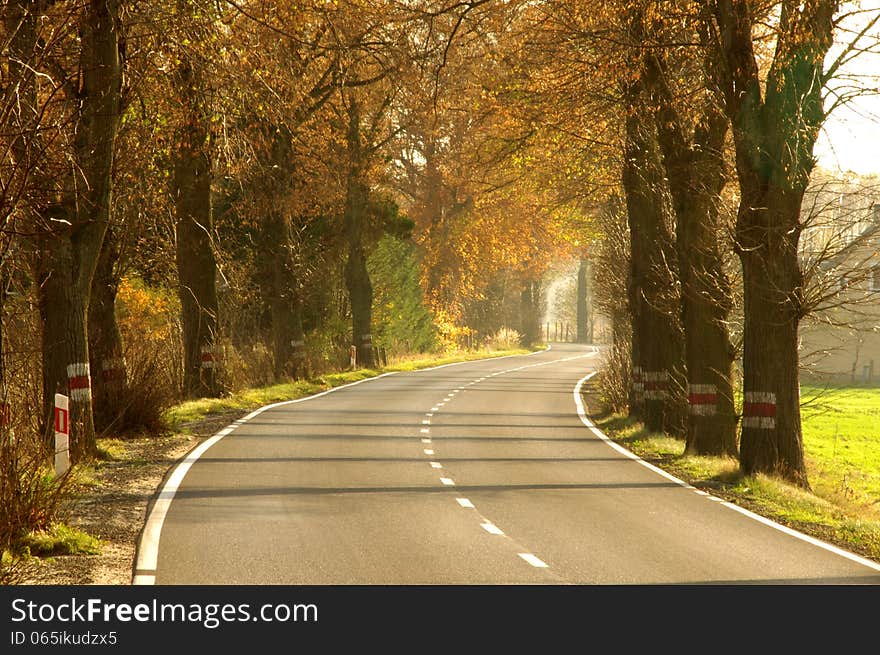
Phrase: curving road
(476, 473)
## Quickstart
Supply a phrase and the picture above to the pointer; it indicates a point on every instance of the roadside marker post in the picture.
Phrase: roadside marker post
(353, 353)
(62, 434)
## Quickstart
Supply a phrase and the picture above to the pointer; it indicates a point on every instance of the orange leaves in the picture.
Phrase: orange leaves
(146, 312)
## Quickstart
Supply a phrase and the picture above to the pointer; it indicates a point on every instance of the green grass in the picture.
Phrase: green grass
(249, 399)
(110, 449)
(842, 452)
(425, 362)
(60, 539)
(842, 443)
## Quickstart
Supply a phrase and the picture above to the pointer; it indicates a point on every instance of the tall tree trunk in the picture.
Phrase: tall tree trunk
(106, 360)
(196, 264)
(773, 136)
(771, 430)
(696, 174)
(69, 250)
(64, 344)
(657, 348)
(357, 277)
(583, 317)
(530, 325)
(285, 308)
(5, 412)
(288, 348)
(706, 303)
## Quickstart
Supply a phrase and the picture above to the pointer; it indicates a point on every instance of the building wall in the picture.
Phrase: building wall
(842, 343)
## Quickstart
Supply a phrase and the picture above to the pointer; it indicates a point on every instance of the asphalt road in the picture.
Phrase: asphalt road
(476, 473)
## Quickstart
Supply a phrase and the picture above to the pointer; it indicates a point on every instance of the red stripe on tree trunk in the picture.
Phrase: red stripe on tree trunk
(78, 382)
(759, 409)
(703, 398)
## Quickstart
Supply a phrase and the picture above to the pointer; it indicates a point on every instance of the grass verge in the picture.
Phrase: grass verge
(852, 523)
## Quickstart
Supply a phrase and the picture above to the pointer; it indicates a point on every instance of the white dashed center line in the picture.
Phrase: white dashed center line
(449, 482)
(534, 561)
(491, 528)
(428, 451)
(464, 502)
(436, 465)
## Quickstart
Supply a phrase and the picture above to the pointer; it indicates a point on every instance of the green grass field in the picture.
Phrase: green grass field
(842, 443)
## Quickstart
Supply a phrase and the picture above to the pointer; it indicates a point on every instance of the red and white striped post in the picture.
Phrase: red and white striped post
(62, 434)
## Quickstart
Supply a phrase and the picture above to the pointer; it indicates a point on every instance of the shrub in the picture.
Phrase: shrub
(504, 339)
(30, 495)
(615, 378)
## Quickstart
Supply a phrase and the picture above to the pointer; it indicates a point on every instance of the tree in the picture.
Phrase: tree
(693, 152)
(775, 124)
(72, 199)
(193, 163)
(656, 334)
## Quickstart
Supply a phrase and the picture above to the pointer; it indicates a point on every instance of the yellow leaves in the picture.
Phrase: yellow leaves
(143, 312)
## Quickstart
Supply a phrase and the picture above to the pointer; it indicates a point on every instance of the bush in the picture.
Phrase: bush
(504, 339)
(138, 405)
(615, 378)
(148, 322)
(30, 496)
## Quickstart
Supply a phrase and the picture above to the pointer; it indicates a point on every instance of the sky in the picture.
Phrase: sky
(850, 140)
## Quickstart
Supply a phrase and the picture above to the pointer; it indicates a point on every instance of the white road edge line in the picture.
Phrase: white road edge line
(761, 519)
(148, 544)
